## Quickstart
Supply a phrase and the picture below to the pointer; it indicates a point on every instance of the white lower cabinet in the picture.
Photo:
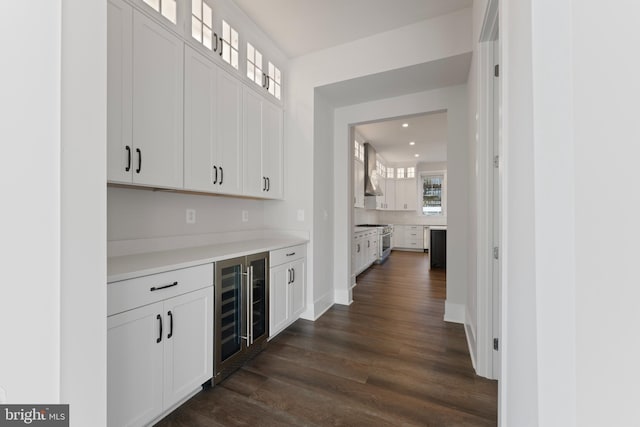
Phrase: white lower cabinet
(160, 353)
(408, 237)
(287, 287)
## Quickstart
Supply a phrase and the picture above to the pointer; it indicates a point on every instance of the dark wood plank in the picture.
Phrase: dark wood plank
(388, 359)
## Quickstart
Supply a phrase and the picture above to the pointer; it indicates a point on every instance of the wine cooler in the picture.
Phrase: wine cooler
(241, 311)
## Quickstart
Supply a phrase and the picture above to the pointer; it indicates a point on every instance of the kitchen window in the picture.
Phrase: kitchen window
(254, 64)
(275, 81)
(229, 44)
(202, 23)
(434, 193)
(390, 172)
(166, 8)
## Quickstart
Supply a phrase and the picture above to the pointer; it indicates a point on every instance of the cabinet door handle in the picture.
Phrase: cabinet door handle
(170, 314)
(157, 288)
(288, 276)
(293, 275)
(139, 160)
(268, 184)
(215, 37)
(264, 80)
(264, 183)
(128, 168)
(160, 335)
(268, 81)
(221, 175)
(215, 179)
(221, 45)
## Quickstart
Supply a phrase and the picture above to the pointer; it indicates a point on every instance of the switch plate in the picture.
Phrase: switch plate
(301, 215)
(191, 216)
(245, 216)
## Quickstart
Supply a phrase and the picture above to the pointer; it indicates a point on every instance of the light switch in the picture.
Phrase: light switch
(301, 215)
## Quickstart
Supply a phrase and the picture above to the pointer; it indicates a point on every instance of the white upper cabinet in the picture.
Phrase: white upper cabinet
(144, 100)
(262, 147)
(157, 104)
(119, 91)
(212, 137)
(176, 119)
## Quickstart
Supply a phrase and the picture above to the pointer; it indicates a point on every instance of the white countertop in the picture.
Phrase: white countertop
(130, 266)
(363, 229)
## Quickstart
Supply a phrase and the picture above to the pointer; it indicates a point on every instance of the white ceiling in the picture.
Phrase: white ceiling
(391, 140)
(302, 26)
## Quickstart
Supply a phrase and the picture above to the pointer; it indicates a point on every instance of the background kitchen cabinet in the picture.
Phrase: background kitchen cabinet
(157, 355)
(287, 291)
(408, 237)
(212, 143)
(365, 250)
(263, 151)
(406, 194)
(389, 195)
(145, 100)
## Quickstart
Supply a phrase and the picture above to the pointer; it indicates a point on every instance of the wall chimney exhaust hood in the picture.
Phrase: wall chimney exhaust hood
(371, 181)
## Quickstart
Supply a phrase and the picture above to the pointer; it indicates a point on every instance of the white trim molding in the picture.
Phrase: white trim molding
(454, 312)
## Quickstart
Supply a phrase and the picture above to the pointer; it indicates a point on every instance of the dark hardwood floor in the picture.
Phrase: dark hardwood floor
(387, 360)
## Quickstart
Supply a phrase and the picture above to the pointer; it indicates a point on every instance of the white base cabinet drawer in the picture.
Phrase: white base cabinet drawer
(289, 254)
(128, 294)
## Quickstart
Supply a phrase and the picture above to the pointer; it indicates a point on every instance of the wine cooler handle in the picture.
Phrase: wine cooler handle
(249, 285)
(251, 303)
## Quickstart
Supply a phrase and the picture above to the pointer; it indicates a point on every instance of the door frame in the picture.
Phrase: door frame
(489, 218)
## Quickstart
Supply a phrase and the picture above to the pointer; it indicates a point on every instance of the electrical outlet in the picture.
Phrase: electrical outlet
(191, 216)
(301, 215)
(245, 216)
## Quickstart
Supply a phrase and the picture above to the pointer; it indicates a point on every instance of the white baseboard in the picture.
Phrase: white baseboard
(454, 313)
(318, 308)
(342, 297)
(471, 342)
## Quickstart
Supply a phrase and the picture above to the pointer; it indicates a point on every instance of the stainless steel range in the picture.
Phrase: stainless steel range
(385, 232)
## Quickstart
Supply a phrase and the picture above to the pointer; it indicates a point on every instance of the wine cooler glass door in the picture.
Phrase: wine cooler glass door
(229, 303)
(259, 291)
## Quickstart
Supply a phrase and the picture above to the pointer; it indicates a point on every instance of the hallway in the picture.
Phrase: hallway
(387, 360)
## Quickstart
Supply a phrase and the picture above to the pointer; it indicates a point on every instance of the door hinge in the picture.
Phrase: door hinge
(496, 70)
(496, 161)
(496, 252)
(496, 344)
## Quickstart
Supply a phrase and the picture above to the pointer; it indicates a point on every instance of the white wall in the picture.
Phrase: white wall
(603, 44)
(320, 297)
(519, 388)
(83, 296)
(422, 42)
(454, 101)
(53, 306)
(366, 216)
(30, 218)
(142, 214)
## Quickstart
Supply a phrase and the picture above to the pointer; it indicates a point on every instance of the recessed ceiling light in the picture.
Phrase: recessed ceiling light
(416, 155)
(405, 125)
(412, 143)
